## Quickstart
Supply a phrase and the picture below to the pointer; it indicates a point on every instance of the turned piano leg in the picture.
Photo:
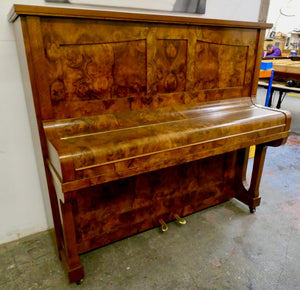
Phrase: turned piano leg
(249, 194)
(69, 253)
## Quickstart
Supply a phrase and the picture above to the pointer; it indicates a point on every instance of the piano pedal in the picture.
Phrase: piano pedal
(164, 226)
(179, 219)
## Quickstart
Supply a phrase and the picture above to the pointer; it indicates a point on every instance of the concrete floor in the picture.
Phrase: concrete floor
(223, 247)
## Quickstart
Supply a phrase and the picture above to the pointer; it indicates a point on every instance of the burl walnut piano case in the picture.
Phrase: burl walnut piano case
(141, 117)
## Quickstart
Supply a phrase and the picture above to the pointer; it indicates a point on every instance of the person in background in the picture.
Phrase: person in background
(272, 51)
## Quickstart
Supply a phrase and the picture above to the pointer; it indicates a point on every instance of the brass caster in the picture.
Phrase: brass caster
(79, 282)
(179, 219)
(164, 226)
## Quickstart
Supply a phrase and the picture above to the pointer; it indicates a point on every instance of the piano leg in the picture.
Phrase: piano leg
(69, 253)
(55, 213)
(245, 193)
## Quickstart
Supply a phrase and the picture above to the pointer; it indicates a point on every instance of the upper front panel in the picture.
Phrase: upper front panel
(93, 67)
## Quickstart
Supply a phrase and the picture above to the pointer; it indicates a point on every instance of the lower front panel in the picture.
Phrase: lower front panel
(112, 211)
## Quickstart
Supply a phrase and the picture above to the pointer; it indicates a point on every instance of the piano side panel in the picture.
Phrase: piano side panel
(98, 66)
(27, 62)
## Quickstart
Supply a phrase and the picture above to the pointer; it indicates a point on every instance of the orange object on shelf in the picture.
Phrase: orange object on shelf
(265, 73)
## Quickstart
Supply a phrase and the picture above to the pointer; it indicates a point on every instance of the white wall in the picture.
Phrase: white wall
(245, 10)
(283, 23)
(22, 205)
(21, 202)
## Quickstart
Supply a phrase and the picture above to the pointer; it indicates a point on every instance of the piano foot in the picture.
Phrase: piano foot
(179, 219)
(164, 226)
(79, 282)
(252, 209)
(69, 252)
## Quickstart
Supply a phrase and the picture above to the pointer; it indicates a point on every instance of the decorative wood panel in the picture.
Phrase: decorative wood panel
(115, 210)
(220, 66)
(171, 66)
(108, 66)
(99, 71)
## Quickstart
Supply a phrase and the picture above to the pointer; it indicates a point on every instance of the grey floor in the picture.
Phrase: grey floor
(223, 247)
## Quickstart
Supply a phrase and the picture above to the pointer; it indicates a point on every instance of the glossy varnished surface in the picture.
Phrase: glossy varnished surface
(115, 210)
(128, 141)
(103, 66)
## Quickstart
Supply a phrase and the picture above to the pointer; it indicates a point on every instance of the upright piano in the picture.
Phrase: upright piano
(141, 118)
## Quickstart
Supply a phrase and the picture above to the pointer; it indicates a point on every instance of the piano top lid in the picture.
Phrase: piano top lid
(87, 12)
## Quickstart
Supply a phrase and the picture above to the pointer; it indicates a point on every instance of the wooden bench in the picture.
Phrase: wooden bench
(284, 69)
(141, 117)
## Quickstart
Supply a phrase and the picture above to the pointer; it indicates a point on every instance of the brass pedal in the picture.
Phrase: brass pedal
(164, 226)
(179, 219)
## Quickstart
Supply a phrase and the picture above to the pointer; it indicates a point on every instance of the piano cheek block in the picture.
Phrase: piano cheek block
(140, 117)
